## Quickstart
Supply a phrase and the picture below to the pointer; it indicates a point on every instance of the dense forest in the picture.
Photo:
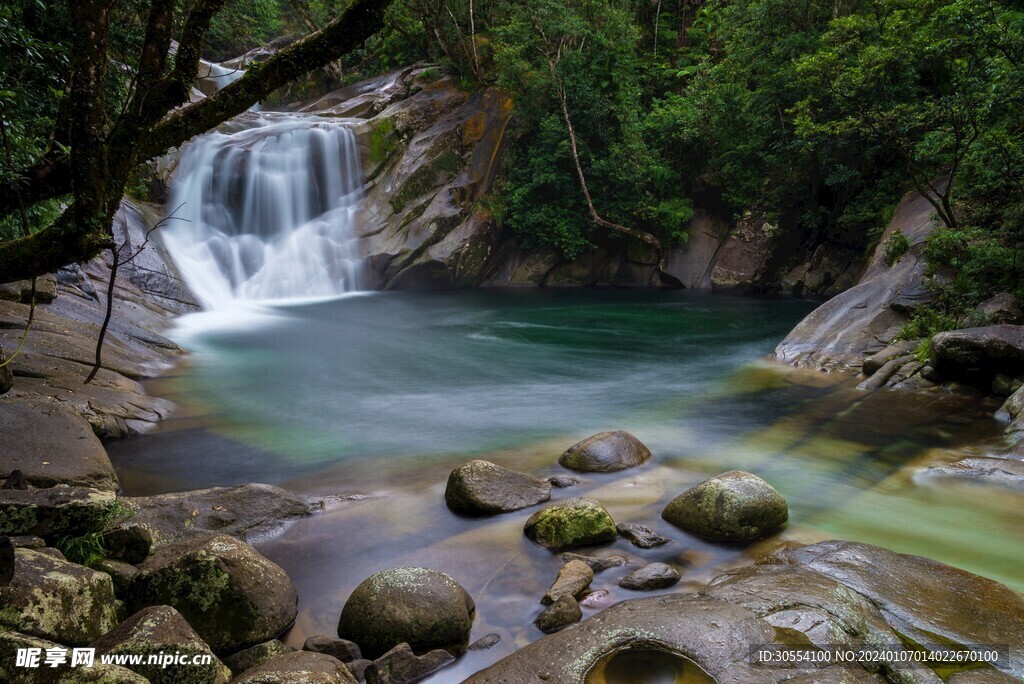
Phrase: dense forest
(818, 115)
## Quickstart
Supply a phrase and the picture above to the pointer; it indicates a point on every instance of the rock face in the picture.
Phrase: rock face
(605, 452)
(231, 595)
(733, 506)
(423, 608)
(864, 319)
(977, 355)
(162, 630)
(483, 488)
(54, 599)
(301, 666)
(579, 521)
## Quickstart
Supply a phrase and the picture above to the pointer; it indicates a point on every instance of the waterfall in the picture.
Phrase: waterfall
(267, 210)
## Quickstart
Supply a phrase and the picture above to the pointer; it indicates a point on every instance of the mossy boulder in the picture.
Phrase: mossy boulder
(303, 667)
(53, 512)
(579, 521)
(977, 355)
(483, 488)
(733, 506)
(231, 595)
(99, 673)
(248, 658)
(51, 598)
(605, 452)
(423, 608)
(159, 630)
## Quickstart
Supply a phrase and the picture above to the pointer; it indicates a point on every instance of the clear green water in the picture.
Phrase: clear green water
(381, 395)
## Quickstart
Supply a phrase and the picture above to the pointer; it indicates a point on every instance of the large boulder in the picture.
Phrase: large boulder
(1002, 308)
(977, 355)
(248, 658)
(52, 446)
(51, 598)
(423, 608)
(99, 673)
(483, 488)
(54, 512)
(303, 667)
(580, 521)
(231, 595)
(733, 506)
(605, 452)
(158, 631)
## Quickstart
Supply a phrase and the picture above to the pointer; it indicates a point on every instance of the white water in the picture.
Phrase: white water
(268, 210)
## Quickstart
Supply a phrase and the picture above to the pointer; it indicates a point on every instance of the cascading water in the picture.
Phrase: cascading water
(268, 209)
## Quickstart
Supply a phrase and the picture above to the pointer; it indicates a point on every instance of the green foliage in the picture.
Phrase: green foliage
(895, 246)
(241, 26)
(88, 548)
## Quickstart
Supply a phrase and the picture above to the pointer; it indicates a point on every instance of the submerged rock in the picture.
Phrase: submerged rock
(160, 630)
(976, 355)
(597, 564)
(565, 611)
(651, 576)
(605, 452)
(248, 658)
(231, 595)
(573, 579)
(401, 666)
(1005, 471)
(579, 521)
(641, 536)
(298, 666)
(483, 488)
(423, 608)
(733, 506)
(51, 598)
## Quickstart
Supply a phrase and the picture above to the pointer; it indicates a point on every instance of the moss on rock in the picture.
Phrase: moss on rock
(574, 522)
(733, 506)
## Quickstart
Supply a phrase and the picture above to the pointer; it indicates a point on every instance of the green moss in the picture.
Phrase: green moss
(576, 522)
(383, 142)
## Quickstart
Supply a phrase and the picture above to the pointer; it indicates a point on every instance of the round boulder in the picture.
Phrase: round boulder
(605, 452)
(733, 506)
(231, 595)
(579, 521)
(299, 666)
(483, 488)
(424, 608)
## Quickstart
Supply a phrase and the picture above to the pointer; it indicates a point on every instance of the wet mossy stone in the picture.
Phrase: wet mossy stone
(231, 595)
(580, 521)
(99, 673)
(733, 506)
(51, 598)
(161, 630)
(483, 488)
(297, 667)
(248, 658)
(423, 608)
(605, 452)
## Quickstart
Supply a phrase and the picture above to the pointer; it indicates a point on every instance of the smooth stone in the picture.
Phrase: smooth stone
(1004, 472)
(597, 564)
(344, 650)
(231, 595)
(297, 667)
(485, 642)
(651, 576)
(605, 452)
(641, 536)
(401, 666)
(559, 614)
(571, 523)
(733, 506)
(159, 630)
(53, 599)
(895, 350)
(483, 488)
(976, 355)
(423, 608)
(248, 658)
(573, 579)
(563, 481)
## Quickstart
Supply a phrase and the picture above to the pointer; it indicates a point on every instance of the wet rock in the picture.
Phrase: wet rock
(651, 576)
(641, 535)
(424, 608)
(734, 506)
(597, 564)
(358, 668)
(21, 290)
(483, 488)
(99, 673)
(129, 542)
(605, 452)
(162, 630)
(976, 355)
(344, 650)
(247, 511)
(248, 658)
(1002, 471)
(563, 481)
(573, 579)
(894, 350)
(401, 666)
(231, 595)
(562, 612)
(121, 574)
(54, 512)
(891, 372)
(1000, 309)
(54, 599)
(485, 642)
(298, 666)
(52, 446)
(570, 523)
(601, 598)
